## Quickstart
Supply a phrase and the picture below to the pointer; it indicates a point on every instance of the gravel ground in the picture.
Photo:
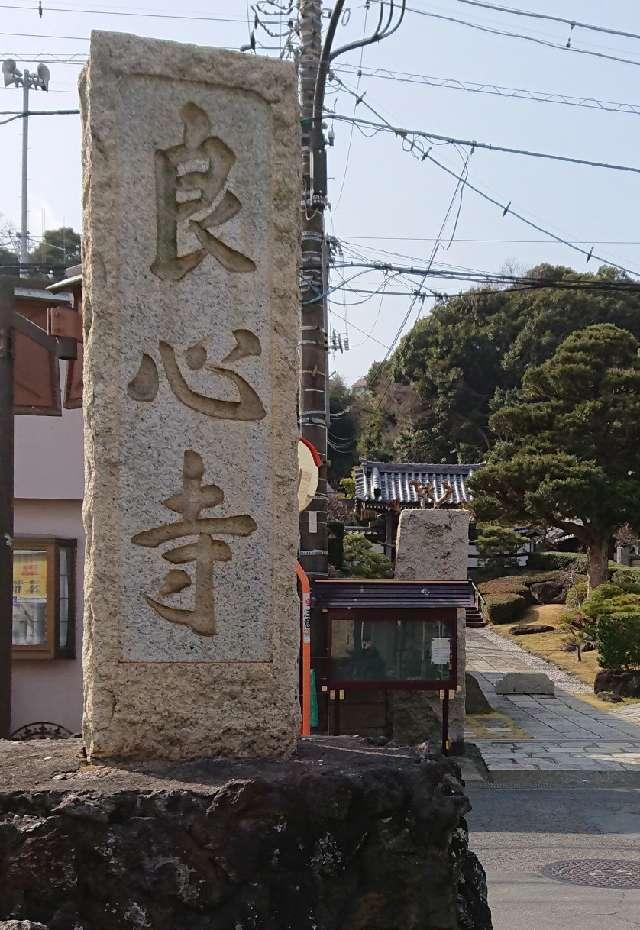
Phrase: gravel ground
(565, 681)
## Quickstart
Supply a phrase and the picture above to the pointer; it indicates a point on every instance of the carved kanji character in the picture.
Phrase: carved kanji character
(205, 551)
(144, 385)
(190, 192)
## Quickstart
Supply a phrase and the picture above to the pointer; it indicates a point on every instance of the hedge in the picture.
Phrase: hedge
(520, 584)
(504, 608)
(504, 586)
(625, 573)
(576, 561)
(563, 561)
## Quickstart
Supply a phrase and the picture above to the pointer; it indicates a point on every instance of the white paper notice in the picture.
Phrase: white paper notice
(440, 651)
(313, 521)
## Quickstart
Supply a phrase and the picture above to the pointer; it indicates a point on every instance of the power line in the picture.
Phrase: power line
(572, 23)
(496, 90)
(497, 241)
(38, 35)
(474, 144)
(505, 208)
(518, 35)
(21, 114)
(494, 277)
(363, 331)
(348, 156)
(103, 12)
(419, 295)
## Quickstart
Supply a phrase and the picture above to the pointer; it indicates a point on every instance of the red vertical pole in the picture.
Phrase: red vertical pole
(305, 648)
(7, 300)
(445, 723)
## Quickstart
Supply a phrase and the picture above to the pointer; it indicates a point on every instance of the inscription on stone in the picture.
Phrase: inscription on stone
(191, 190)
(205, 552)
(144, 386)
(190, 272)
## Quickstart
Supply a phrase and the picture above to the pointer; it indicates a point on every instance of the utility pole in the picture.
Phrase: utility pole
(26, 80)
(314, 62)
(6, 500)
(24, 209)
(314, 368)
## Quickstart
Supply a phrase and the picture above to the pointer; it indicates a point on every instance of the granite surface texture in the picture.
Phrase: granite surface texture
(191, 198)
(433, 545)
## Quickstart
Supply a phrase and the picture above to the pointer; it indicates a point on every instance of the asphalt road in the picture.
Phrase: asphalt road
(519, 831)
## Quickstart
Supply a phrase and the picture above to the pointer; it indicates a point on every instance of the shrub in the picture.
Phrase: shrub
(615, 614)
(599, 597)
(579, 628)
(520, 584)
(498, 546)
(628, 579)
(504, 608)
(362, 561)
(510, 584)
(566, 561)
(577, 593)
(618, 638)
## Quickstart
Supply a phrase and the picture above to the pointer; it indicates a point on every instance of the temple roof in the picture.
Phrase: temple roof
(395, 482)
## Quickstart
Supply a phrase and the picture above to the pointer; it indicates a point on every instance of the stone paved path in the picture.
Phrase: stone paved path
(563, 733)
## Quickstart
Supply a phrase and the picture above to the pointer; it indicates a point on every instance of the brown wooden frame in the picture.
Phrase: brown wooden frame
(51, 648)
(444, 615)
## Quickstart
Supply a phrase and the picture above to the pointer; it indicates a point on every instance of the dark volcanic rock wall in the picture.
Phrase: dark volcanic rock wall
(333, 839)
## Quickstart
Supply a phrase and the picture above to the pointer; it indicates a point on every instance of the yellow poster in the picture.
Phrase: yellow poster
(30, 575)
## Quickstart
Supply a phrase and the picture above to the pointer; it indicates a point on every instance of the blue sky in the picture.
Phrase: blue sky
(387, 192)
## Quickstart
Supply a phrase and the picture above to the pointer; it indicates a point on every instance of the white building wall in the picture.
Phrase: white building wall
(49, 487)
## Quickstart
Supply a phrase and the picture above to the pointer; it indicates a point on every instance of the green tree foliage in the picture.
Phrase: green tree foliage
(9, 259)
(412, 445)
(343, 452)
(498, 546)
(348, 487)
(362, 561)
(372, 444)
(58, 247)
(615, 614)
(468, 357)
(568, 447)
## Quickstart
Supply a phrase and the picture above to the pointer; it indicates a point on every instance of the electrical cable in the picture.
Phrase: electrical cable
(505, 208)
(489, 146)
(493, 277)
(129, 13)
(517, 35)
(419, 294)
(496, 90)
(348, 156)
(346, 239)
(572, 23)
(360, 330)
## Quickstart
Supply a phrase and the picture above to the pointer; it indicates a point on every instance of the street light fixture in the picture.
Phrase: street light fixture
(28, 81)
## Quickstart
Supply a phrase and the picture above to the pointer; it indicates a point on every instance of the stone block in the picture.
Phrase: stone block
(525, 683)
(191, 199)
(432, 545)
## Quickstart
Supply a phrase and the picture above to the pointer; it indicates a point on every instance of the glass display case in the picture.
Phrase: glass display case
(399, 649)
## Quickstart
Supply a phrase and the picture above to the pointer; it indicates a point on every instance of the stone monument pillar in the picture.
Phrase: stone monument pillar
(191, 199)
(433, 545)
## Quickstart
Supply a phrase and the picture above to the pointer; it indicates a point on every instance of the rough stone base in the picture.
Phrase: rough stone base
(625, 684)
(340, 837)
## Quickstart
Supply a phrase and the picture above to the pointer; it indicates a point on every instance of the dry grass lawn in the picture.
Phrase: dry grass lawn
(549, 646)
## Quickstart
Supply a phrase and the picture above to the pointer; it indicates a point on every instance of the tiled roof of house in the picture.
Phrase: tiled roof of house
(390, 482)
